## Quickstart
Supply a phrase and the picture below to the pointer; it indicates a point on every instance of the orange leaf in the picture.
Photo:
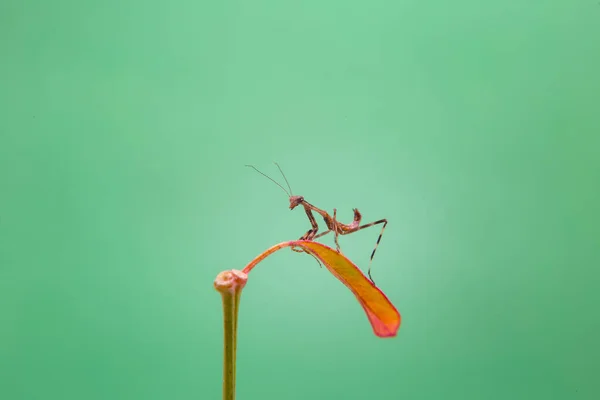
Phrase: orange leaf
(382, 314)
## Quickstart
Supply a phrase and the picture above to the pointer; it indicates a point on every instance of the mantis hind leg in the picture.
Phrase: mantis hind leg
(381, 221)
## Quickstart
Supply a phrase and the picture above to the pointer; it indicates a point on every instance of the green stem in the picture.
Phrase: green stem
(230, 285)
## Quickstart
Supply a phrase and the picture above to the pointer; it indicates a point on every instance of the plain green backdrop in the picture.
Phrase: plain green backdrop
(473, 127)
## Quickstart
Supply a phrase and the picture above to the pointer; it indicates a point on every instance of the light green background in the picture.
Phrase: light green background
(474, 127)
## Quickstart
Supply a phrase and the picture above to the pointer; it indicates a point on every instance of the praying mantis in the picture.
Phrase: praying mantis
(333, 225)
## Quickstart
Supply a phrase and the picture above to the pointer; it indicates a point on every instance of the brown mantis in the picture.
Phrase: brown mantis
(333, 225)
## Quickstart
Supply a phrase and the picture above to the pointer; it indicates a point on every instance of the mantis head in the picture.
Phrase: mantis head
(295, 201)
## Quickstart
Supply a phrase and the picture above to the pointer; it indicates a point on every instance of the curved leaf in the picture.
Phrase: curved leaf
(382, 314)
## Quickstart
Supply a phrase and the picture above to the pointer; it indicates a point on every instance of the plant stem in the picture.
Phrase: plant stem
(230, 285)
